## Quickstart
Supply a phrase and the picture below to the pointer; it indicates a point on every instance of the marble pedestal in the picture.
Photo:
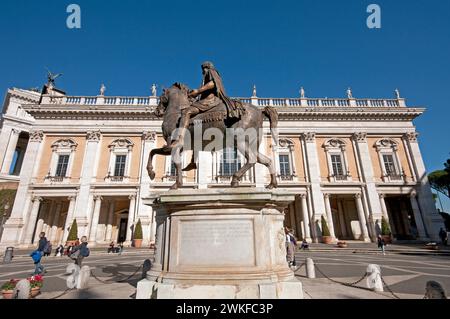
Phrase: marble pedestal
(226, 244)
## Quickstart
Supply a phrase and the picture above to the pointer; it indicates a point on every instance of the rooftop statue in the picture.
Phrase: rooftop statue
(51, 77)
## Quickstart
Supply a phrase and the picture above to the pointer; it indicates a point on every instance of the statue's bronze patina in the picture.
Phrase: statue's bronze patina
(209, 105)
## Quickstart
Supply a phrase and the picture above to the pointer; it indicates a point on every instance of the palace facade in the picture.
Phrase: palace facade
(350, 160)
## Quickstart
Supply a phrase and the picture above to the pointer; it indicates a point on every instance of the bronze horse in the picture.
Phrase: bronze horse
(170, 108)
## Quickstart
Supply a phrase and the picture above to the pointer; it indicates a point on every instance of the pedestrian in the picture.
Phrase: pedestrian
(38, 253)
(290, 247)
(381, 244)
(443, 235)
(305, 245)
(80, 252)
(48, 249)
(120, 248)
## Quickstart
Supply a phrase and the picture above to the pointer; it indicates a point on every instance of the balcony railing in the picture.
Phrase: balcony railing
(262, 102)
(395, 177)
(116, 179)
(286, 178)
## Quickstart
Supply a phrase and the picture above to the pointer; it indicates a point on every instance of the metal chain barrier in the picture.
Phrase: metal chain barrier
(388, 288)
(351, 284)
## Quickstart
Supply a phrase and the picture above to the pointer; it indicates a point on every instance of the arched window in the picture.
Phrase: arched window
(63, 154)
(387, 150)
(338, 170)
(120, 159)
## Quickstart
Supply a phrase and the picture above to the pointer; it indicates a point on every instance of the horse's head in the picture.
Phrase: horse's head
(176, 95)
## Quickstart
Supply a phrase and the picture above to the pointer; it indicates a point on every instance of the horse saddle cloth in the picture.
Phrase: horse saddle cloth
(217, 113)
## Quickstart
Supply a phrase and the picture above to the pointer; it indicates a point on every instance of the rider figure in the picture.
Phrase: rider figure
(209, 95)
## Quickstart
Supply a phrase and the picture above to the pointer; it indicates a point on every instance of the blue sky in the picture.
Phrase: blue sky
(322, 45)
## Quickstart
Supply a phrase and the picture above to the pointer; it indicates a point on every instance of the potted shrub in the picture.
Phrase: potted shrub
(326, 236)
(8, 289)
(137, 241)
(386, 231)
(73, 234)
(36, 283)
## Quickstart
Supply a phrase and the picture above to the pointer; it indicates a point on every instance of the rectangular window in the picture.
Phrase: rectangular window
(285, 165)
(119, 169)
(336, 162)
(389, 165)
(229, 163)
(61, 168)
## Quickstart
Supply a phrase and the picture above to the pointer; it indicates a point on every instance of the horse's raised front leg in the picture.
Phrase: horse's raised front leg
(165, 151)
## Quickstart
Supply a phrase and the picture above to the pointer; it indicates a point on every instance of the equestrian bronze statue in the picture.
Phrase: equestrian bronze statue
(190, 114)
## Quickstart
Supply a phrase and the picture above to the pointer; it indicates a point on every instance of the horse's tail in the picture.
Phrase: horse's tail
(272, 114)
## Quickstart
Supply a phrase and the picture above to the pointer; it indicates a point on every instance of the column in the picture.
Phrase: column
(306, 223)
(54, 229)
(329, 216)
(110, 221)
(130, 223)
(11, 148)
(418, 216)
(314, 175)
(362, 218)
(432, 220)
(292, 218)
(69, 218)
(144, 212)
(342, 220)
(95, 218)
(40, 223)
(83, 205)
(14, 229)
(365, 162)
(36, 203)
(5, 134)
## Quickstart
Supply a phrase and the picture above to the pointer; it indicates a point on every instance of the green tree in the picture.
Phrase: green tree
(440, 180)
(325, 229)
(73, 234)
(138, 231)
(385, 229)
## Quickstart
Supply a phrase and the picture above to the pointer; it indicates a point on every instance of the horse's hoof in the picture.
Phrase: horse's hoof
(271, 186)
(234, 184)
(174, 187)
(152, 175)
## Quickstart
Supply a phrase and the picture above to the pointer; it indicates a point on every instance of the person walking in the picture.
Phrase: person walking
(290, 247)
(80, 252)
(381, 244)
(38, 253)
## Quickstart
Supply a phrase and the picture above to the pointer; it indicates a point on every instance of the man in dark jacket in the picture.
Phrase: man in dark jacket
(81, 251)
(39, 269)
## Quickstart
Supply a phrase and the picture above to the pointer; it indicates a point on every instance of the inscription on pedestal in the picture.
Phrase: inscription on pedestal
(216, 243)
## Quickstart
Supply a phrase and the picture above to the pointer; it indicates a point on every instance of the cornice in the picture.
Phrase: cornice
(285, 113)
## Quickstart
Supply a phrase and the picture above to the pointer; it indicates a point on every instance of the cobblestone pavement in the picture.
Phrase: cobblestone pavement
(405, 274)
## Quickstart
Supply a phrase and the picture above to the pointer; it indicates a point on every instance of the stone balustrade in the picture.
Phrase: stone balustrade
(262, 102)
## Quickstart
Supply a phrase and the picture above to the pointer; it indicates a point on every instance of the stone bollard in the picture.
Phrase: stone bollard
(374, 281)
(22, 290)
(434, 290)
(74, 271)
(9, 254)
(83, 278)
(310, 270)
